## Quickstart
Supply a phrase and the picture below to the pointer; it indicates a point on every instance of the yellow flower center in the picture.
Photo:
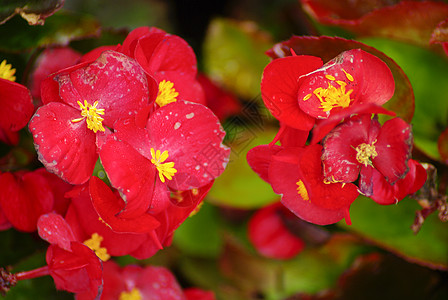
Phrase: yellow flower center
(91, 114)
(94, 243)
(301, 190)
(165, 169)
(167, 93)
(365, 153)
(132, 295)
(7, 72)
(335, 95)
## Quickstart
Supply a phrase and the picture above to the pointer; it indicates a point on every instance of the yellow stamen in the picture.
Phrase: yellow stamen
(132, 295)
(329, 77)
(7, 72)
(91, 114)
(332, 96)
(167, 93)
(301, 190)
(365, 153)
(349, 76)
(196, 210)
(165, 169)
(332, 180)
(94, 243)
(307, 97)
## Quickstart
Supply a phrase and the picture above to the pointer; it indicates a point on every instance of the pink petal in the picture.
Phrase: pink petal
(64, 147)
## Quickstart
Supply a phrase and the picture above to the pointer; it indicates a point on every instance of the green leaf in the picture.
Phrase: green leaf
(239, 186)
(428, 74)
(234, 55)
(34, 11)
(389, 227)
(59, 30)
(197, 236)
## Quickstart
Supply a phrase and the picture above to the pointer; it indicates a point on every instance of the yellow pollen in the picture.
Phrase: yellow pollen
(167, 93)
(332, 96)
(7, 72)
(91, 114)
(365, 153)
(329, 77)
(94, 243)
(332, 180)
(195, 192)
(196, 210)
(165, 169)
(349, 76)
(301, 190)
(307, 97)
(132, 295)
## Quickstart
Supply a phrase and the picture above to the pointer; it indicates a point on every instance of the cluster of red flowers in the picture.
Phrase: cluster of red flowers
(349, 152)
(137, 111)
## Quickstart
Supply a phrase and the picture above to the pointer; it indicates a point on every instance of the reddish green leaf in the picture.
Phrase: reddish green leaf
(329, 47)
(410, 21)
(442, 145)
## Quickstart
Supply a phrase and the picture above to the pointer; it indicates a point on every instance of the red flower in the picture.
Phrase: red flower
(80, 104)
(361, 146)
(17, 105)
(135, 282)
(180, 149)
(198, 294)
(268, 233)
(73, 266)
(298, 89)
(24, 196)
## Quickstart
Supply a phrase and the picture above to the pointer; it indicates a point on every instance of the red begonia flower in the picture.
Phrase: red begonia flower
(298, 89)
(361, 142)
(24, 196)
(180, 149)
(50, 61)
(73, 266)
(86, 222)
(386, 193)
(90, 98)
(296, 174)
(269, 235)
(135, 282)
(4, 223)
(17, 105)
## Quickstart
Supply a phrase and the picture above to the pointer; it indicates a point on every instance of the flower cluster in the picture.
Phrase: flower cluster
(349, 152)
(137, 112)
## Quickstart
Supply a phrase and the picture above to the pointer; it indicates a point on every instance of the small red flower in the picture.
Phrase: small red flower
(296, 174)
(135, 282)
(298, 89)
(269, 235)
(73, 266)
(361, 145)
(24, 196)
(180, 149)
(16, 102)
(80, 104)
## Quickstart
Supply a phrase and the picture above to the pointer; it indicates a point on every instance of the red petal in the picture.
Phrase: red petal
(259, 159)
(115, 80)
(279, 87)
(158, 283)
(394, 149)
(271, 238)
(131, 173)
(372, 81)
(108, 207)
(284, 174)
(17, 105)
(193, 136)
(54, 229)
(64, 147)
(24, 196)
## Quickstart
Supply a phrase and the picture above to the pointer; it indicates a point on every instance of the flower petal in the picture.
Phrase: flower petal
(54, 229)
(259, 159)
(16, 105)
(279, 87)
(193, 136)
(64, 147)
